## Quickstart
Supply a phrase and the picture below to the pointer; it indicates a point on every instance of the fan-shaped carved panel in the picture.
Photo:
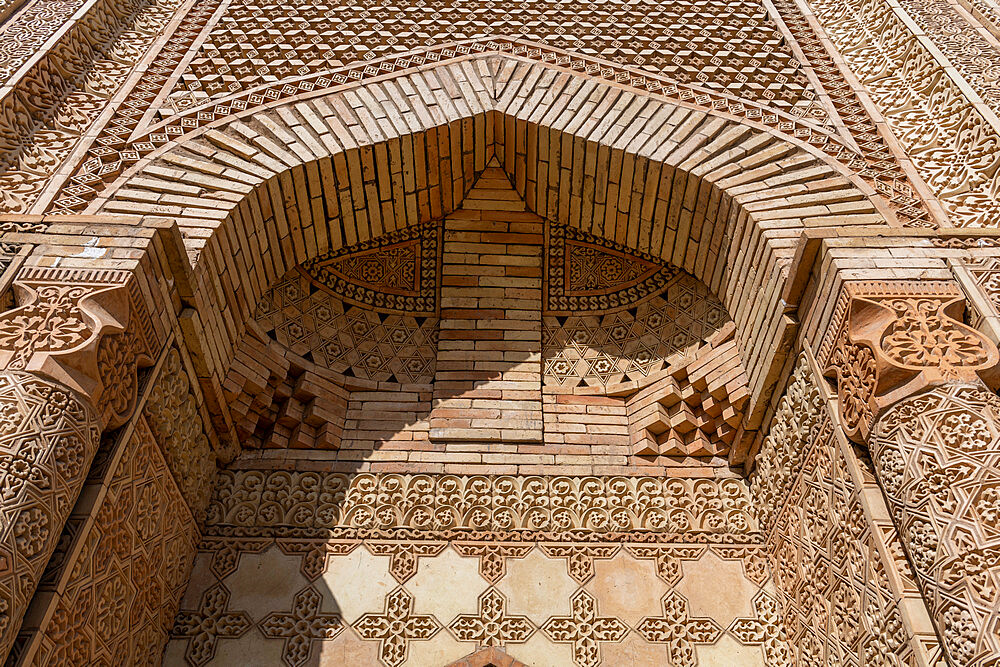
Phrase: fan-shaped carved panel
(397, 272)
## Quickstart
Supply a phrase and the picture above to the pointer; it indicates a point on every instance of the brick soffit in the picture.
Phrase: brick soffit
(525, 102)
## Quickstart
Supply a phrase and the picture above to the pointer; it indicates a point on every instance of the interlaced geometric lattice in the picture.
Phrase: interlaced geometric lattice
(734, 47)
(315, 324)
(631, 344)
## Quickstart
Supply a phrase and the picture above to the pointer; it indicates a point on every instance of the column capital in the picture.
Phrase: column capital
(888, 340)
(89, 330)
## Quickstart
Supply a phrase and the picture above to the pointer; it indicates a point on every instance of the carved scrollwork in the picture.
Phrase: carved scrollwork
(89, 330)
(894, 339)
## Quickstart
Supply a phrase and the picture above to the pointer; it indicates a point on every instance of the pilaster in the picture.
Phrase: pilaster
(908, 381)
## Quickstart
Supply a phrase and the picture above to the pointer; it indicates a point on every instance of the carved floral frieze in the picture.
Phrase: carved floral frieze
(529, 507)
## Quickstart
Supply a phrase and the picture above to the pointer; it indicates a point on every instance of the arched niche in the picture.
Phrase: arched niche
(723, 199)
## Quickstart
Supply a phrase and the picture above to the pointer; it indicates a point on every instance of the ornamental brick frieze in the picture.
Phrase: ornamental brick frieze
(717, 74)
(937, 455)
(654, 38)
(891, 339)
(531, 508)
(90, 330)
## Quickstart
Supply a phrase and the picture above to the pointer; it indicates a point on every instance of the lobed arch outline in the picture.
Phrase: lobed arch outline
(727, 200)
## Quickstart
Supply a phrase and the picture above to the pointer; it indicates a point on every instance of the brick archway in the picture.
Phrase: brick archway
(725, 200)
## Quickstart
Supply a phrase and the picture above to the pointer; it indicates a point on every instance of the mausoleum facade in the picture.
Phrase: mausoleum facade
(545, 333)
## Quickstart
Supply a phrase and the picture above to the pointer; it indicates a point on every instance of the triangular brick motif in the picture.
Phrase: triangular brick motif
(493, 185)
(488, 657)
(587, 273)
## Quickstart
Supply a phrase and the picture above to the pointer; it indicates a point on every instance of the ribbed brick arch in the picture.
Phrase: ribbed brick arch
(259, 193)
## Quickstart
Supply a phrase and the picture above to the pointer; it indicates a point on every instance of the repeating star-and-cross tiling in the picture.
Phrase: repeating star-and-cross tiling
(586, 629)
(210, 622)
(396, 627)
(301, 626)
(678, 630)
(492, 626)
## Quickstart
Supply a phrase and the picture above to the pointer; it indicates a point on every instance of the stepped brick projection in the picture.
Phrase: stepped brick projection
(500, 333)
(645, 372)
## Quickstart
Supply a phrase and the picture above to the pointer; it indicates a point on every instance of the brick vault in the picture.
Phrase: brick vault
(499, 334)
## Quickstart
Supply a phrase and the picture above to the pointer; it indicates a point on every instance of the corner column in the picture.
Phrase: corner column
(910, 386)
(69, 356)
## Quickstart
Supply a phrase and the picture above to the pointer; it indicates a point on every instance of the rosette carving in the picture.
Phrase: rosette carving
(891, 340)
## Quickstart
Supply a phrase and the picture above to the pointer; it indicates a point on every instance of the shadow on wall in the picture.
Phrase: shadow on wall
(444, 363)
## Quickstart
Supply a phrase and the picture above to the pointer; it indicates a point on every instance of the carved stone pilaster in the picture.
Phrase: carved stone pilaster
(48, 437)
(890, 340)
(937, 456)
(908, 381)
(69, 357)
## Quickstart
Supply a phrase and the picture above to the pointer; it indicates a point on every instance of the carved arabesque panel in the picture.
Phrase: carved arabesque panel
(90, 330)
(123, 590)
(531, 507)
(890, 339)
(938, 458)
(953, 147)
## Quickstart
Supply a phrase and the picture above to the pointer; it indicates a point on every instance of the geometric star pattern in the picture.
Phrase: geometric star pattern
(733, 47)
(358, 341)
(600, 350)
(403, 627)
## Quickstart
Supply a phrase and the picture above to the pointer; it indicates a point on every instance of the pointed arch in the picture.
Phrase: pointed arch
(721, 198)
